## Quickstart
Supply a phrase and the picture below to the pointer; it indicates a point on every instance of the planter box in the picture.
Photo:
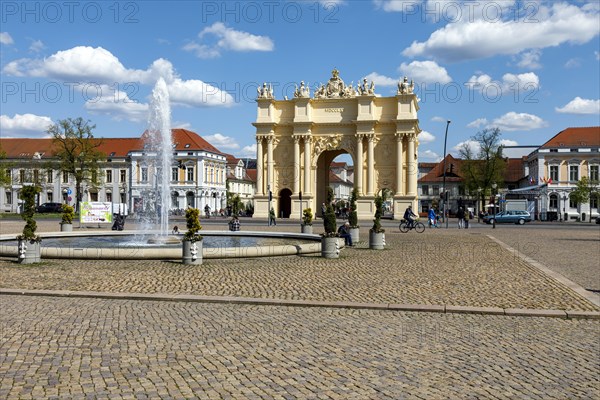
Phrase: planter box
(187, 257)
(376, 240)
(66, 227)
(330, 247)
(29, 251)
(307, 229)
(355, 235)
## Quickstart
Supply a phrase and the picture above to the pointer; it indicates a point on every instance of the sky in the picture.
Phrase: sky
(529, 67)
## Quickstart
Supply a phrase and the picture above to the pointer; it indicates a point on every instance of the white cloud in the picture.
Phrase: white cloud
(248, 151)
(467, 40)
(478, 123)
(24, 125)
(222, 142)
(509, 84)
(438, 119)
(472, 144)
(425, 72)
(573, 63)
(117, 105)
(514, 153)
(181, 125)
(513, 121)
(580, 106)
(36, 46)
(429, 155)
(5, 38)
(381, 80)
(228, 39)
(530, 59)
(426, 137)
(397, 5)
(99, 66)
(597, 53)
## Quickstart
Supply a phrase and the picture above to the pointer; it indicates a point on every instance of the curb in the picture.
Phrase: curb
(443, 309)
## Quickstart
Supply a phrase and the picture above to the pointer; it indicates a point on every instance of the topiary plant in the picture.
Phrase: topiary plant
(28, 194)
(192, 216)
(353, 216)
(378, 213)
(307, 216)
(68, 213)
(329, 222)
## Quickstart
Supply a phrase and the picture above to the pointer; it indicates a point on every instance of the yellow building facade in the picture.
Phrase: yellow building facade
(297, 139)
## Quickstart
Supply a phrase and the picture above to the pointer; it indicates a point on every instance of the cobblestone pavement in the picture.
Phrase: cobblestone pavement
(71, 348)
(440, 267)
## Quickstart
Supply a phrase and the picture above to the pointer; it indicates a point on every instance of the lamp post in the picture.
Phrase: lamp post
(564, 198)
(494, 186)
(478, 204)
(444, 179)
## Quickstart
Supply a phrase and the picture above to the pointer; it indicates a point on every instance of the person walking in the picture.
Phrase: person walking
(432, 218)
(460, 214)
(272, 217)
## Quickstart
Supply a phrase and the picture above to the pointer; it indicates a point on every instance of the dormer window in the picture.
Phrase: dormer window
(112, 154)
(187, 146)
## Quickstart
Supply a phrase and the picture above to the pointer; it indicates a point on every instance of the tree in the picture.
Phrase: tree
(482, 168)
(329, 222)
(77, 151)
(353, 217)
(5, 178)
(584, 191)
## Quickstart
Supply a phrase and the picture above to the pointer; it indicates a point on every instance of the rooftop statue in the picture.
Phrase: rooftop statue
(405, 88)
(265, 92)
(335, 88)
(302, 91)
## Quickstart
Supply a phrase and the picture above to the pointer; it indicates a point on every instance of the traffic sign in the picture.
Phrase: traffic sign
(69, 191)
(69, 198)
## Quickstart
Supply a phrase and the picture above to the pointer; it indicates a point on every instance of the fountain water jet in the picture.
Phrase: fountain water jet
(159, 154)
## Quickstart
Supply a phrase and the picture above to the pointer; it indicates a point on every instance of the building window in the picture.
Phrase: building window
(425, 190)
(554, 173)
(122, 175)
(123, 198)
(436, 190)
(175, 174)
(93, 196)
(573, 173)
(594, 200)
(109, 176)
(9, 175)
(109, 197)
(594, 173)
(572, 203)
(190, 174)
(36, 176)
(8, 198)
(65, 177)
(94, 176)
(553, 202)
(50, 176)
(144, 174)
(205, 174)
(49, 197)
(21, 175)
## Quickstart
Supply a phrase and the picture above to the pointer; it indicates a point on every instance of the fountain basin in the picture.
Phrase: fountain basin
(299, 244)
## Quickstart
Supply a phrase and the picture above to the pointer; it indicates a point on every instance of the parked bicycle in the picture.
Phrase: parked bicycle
(406, 226)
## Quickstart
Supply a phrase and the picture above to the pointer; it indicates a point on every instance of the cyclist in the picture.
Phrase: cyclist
(410, 216)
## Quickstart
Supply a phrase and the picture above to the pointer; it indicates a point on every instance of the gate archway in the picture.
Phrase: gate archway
(285, 203)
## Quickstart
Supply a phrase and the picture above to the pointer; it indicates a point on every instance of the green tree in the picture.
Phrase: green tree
(28, 194)
(77, 151)
(481, 168)
(5, 179)
(353, 217)
(584, 191)
(378, 214)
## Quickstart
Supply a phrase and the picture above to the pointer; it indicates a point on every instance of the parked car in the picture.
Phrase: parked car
(510, 217)
(49, 208)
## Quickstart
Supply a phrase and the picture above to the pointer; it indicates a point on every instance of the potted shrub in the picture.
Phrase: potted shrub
(307, 217)
(330, 247)
(353, 217)
(29, 242)
(66, 224)
(376, 233)
(192, 241)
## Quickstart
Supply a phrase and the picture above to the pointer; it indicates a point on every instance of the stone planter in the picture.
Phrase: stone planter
(307, 229)
(30, 251)
(192, 252)
(330, 247)
(376, 240)
(355, 235)
(66, 227)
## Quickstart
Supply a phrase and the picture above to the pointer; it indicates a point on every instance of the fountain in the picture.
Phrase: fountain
(159, 153)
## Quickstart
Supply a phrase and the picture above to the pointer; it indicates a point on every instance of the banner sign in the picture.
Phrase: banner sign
(95, 212)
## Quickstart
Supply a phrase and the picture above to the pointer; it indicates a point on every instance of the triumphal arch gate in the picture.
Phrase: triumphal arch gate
(297, 139)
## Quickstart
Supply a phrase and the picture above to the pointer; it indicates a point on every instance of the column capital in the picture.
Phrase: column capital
(412, 136)
(297, 139)
(372, 138)
(400, 135)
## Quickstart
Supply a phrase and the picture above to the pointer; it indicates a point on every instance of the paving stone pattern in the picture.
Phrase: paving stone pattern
(433, 268)
(59, 348)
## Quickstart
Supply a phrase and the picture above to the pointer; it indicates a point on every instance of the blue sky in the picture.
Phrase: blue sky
(530, 68)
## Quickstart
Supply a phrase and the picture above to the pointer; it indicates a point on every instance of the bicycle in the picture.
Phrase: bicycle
(405, 226)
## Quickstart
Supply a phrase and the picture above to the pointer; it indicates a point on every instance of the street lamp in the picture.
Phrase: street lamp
(478, 204)
(494, 186)
(444, 181)
(564, 205)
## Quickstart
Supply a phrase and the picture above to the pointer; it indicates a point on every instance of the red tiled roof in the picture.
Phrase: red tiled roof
(513, 171)
(575, 137)
(26, 148)
(251, 174)
(427, 164)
